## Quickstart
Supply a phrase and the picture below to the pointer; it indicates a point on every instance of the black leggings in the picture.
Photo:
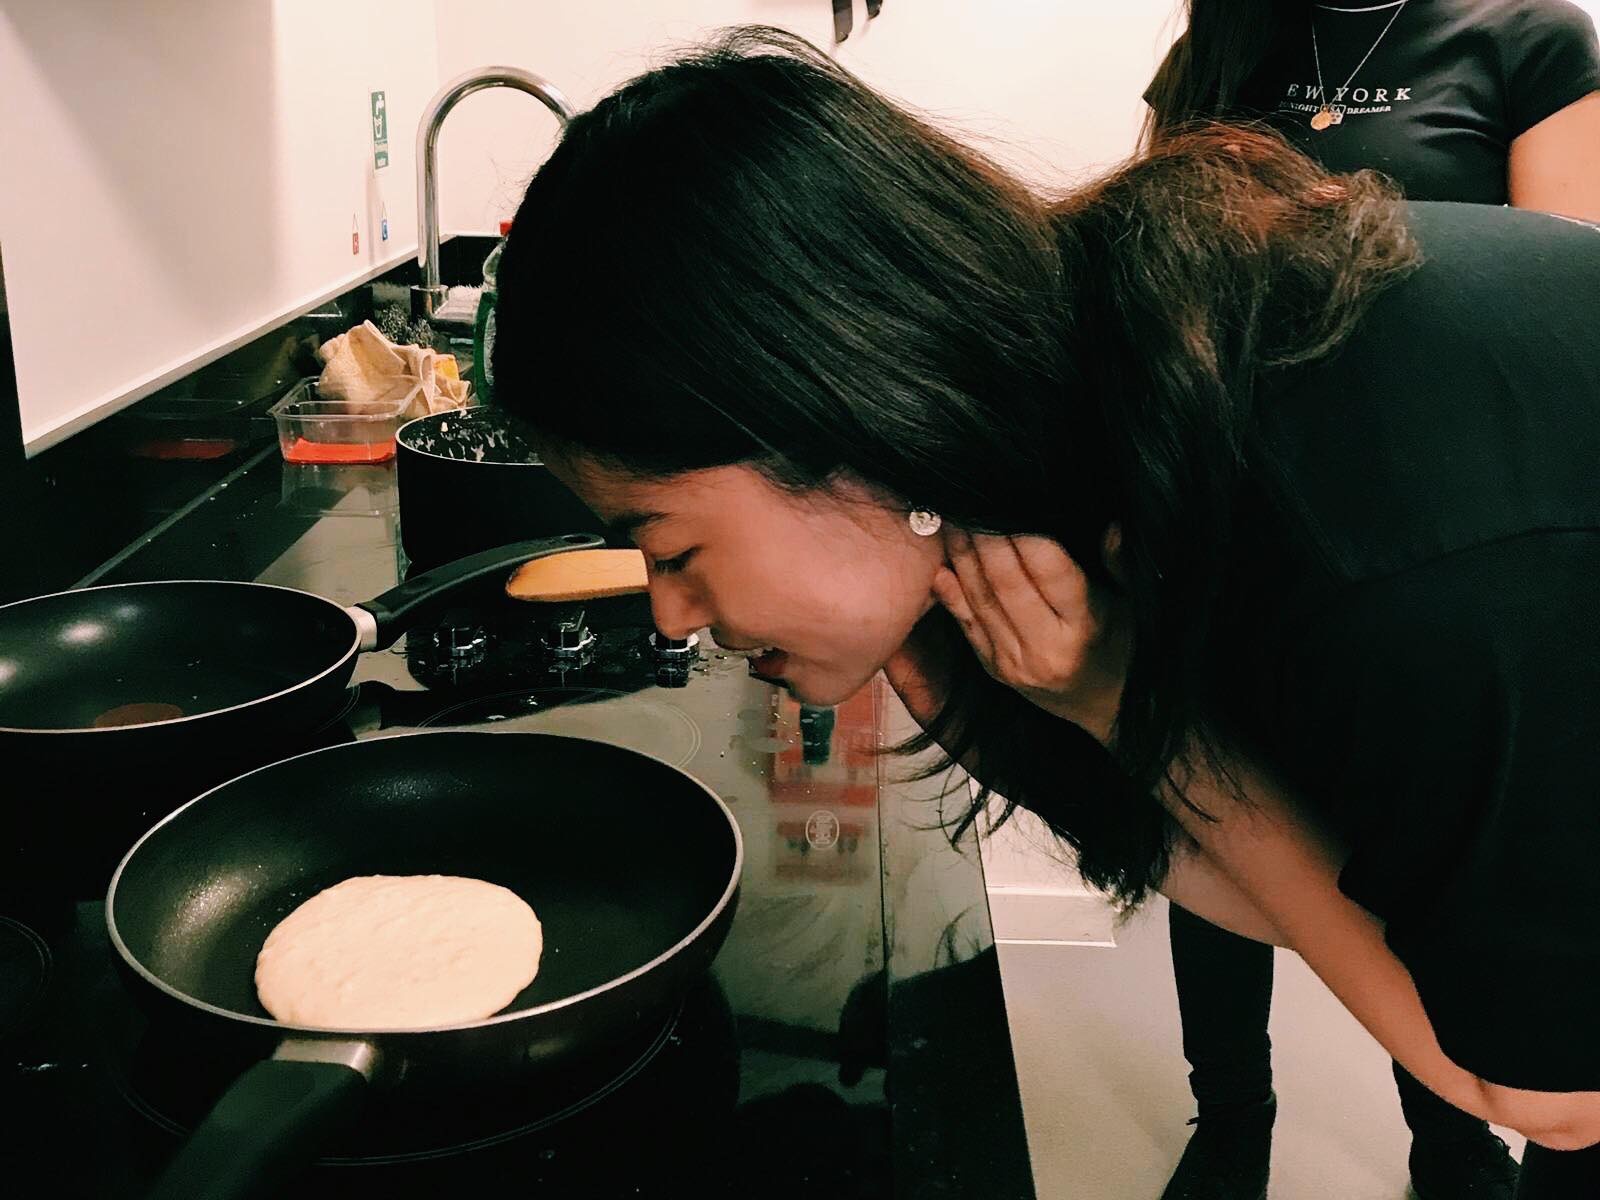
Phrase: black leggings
(1224, 998)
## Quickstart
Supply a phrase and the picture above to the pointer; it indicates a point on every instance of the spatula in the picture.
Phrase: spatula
(579, 575)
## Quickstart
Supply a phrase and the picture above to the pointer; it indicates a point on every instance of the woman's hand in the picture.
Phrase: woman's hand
(1037, 625)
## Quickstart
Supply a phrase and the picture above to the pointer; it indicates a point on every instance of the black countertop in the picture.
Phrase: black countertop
(919, 1052)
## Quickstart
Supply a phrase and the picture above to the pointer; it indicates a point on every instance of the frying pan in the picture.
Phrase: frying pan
(631, 865)
(155, 665)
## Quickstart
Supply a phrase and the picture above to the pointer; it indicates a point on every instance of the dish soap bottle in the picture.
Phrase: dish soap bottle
(483, 326)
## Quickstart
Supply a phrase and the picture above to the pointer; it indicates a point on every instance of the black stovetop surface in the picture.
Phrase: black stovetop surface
(850, 1040)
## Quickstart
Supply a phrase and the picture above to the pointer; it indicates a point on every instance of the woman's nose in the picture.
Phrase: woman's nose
(677, 610)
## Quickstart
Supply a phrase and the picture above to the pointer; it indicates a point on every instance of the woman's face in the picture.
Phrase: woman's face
(831, 581)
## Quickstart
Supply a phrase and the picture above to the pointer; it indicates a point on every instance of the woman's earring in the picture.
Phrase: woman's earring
(924, 523)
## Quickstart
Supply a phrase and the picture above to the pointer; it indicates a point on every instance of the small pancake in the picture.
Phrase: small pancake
(399, 952)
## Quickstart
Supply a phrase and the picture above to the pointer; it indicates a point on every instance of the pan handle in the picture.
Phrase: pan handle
(428, 596)
(270, 1122)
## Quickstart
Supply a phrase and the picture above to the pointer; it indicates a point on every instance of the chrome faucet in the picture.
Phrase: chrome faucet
(430, 295)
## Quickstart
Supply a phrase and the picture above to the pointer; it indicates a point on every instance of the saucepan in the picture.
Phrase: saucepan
(469, 480)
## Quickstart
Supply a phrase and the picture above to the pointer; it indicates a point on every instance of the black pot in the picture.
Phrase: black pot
(469, 481)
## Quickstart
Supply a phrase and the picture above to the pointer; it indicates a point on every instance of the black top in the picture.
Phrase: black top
(1431, 682)
(1442, 96)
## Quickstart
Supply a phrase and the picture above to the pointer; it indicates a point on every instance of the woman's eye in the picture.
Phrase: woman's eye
(671, 566)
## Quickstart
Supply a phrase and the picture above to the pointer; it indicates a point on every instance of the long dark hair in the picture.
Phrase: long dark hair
(1222, 45)
(748, 256)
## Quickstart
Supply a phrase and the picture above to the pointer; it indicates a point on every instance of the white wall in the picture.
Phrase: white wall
(1051, 86)
(178, 176)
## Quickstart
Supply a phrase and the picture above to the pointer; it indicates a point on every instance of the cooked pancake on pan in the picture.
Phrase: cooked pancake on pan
(399, 952)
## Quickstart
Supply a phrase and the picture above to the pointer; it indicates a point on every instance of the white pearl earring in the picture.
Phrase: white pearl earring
(924, 523)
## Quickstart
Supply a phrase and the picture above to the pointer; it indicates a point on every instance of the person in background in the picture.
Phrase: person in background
(1482, 101)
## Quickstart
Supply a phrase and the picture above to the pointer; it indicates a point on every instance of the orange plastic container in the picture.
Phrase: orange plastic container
(314, 430)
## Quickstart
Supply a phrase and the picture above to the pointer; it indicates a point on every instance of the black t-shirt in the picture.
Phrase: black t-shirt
(1429, 681)
(1443, 94)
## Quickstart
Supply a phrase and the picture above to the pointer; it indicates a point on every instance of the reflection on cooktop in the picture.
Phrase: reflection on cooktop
(645, 723)
(171, 1082)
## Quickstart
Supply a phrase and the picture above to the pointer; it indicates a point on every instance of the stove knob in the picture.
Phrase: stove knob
(673, 658)
(461, 640)
(670, 650)
(569, 637)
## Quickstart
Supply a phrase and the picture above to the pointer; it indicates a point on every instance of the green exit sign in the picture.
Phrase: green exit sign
(380, 131)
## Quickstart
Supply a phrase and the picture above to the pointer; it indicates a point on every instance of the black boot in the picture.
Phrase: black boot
(1228, 1157)
(1224, 998)
(1454, 1155)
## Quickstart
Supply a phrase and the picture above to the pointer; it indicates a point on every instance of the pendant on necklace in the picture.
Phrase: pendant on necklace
(1323, 118)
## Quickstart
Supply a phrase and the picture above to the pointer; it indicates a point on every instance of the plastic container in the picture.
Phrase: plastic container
(314, 430)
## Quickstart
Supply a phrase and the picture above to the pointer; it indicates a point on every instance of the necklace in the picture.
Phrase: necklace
(1331, 114)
